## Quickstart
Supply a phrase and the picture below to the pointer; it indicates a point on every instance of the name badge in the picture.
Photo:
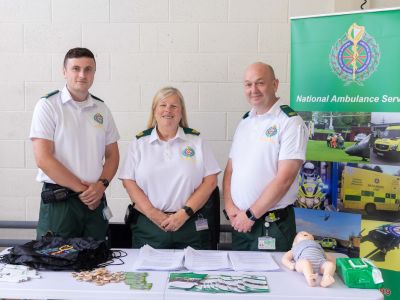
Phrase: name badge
(201, 224)
(266, 243)
(107, 214)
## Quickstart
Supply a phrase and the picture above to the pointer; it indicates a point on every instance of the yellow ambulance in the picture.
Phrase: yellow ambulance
(365, 189)
(388, 145)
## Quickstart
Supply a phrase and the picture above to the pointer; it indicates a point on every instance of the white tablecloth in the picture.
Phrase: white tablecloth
(284, 284)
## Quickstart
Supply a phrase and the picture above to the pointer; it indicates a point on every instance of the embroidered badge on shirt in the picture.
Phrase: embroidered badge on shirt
(98, 118)
(188, 152)
(271, 131)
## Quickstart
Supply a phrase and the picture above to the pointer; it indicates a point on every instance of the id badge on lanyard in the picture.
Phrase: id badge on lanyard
(266, 242)
(201, 223)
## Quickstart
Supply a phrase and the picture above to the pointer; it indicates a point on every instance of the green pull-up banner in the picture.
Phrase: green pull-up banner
(345, 82)
(346, 62)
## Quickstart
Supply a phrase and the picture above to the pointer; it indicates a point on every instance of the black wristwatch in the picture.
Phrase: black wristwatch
(250, 215)
(105, 182)
(188, 210)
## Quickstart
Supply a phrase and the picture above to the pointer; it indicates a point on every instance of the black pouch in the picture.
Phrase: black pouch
(57, 195)
(131, 215)
(57, 253)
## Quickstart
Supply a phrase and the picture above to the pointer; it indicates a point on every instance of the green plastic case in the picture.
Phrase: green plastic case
(359, 273)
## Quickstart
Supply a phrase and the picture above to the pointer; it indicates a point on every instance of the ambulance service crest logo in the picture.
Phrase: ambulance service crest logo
(98, 118)
(270, 132)
(355, 56)
(188, 152)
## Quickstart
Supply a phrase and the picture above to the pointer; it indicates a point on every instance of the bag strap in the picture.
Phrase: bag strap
(116, 259)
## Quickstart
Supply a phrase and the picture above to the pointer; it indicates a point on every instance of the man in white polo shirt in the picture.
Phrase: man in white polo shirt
(267, 152)
(74, 141)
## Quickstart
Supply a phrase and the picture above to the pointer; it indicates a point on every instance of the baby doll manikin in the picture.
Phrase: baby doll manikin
(308, 257)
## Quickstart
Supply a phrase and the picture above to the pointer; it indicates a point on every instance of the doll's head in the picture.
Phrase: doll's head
(301, 236)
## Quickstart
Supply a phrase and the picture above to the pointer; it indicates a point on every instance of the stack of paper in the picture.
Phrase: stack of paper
(203, 260)
(252, 261)
(152, 259)
(206, 260)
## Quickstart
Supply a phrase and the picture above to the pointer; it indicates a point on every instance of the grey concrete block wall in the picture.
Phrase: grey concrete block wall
(199, 46)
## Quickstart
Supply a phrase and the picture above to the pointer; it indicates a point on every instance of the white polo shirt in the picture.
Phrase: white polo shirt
(80, 132)
(168, 172)
(260, 141)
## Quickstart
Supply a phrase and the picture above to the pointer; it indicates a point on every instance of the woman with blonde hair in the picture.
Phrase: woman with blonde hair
(169, 173)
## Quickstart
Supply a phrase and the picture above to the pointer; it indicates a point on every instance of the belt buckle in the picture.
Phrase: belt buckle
(271, 217)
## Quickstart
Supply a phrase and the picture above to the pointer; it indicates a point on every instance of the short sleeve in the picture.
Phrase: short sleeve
(129, 166)
(293, 140)
(233, 146)
(43, 121)
(210, 163)
(112, 134)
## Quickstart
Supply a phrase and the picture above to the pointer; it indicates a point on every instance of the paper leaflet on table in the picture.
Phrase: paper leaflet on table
(152, 259)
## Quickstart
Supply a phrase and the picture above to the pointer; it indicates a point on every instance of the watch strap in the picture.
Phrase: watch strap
(189, 211)
(105, 182)
(250, 215)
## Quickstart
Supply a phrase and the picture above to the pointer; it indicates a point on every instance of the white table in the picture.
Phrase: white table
(284, 284)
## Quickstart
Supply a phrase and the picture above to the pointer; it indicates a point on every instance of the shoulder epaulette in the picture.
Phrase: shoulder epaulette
(97, 98)
(188, 130)
(51, 94)
(144, 133)
(288, 111)
(246, 115)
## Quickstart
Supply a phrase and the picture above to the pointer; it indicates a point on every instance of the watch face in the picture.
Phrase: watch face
(250, 215)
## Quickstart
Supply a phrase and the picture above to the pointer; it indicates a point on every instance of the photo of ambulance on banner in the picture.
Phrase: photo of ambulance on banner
(354, 136)
(345, 85)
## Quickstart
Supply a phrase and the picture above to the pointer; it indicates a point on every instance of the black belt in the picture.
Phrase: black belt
(53, 186)
(56, 193)
(277, 214)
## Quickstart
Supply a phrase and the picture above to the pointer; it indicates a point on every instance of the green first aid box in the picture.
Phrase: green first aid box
(359, 273)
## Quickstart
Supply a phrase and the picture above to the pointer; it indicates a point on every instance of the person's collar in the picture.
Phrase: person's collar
(155, 137)
(66, 97)
(272, 111)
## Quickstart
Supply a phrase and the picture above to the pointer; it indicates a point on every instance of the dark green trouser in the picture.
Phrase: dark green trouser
(283, 231)
(146, 232)
(72, 218)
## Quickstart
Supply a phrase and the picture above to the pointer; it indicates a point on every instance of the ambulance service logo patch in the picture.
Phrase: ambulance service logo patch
(355, 56)
(270, 132)
(98, 118)
(188, 152)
